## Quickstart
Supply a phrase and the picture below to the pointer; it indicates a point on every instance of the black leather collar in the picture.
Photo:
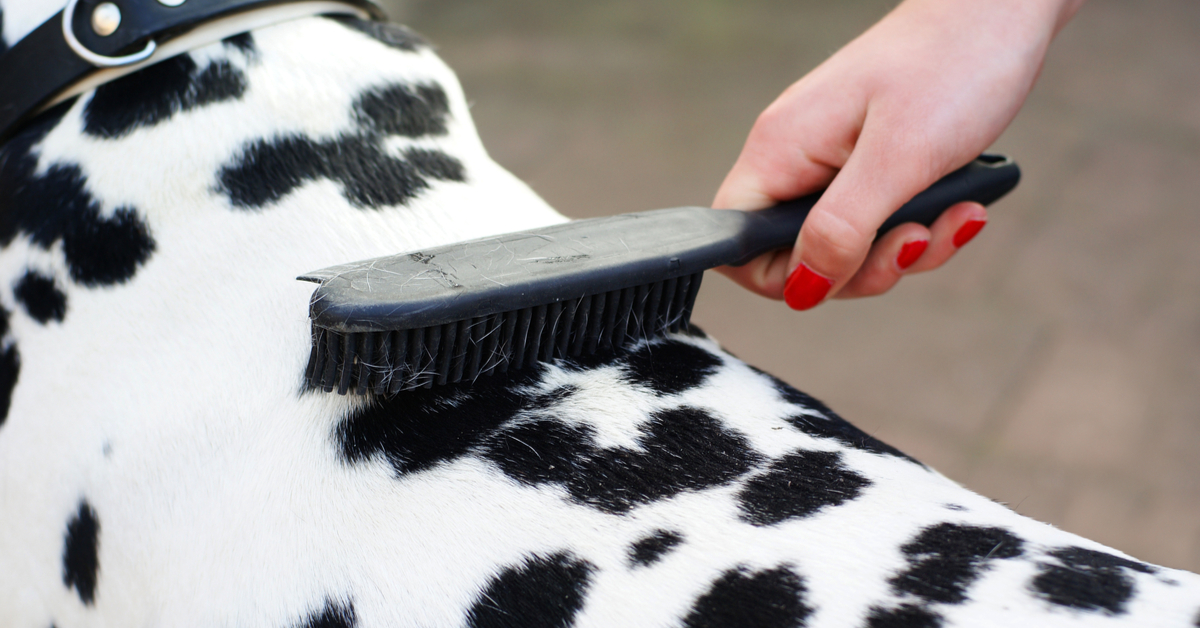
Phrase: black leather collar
(43, 64)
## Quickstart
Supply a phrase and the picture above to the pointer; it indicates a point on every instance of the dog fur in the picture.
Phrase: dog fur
(163, 464)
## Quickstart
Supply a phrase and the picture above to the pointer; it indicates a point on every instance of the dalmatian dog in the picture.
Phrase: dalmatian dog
(163, 464)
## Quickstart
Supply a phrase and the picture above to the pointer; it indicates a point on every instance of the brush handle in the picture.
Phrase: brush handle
(572, 260)
(984, 180)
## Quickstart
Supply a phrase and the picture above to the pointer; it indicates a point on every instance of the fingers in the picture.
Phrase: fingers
(837, 236)
(764, 275)
(906, 250)
(835, 256)
(912, 248)
(958, 226)
(787, 156)
(889, 258)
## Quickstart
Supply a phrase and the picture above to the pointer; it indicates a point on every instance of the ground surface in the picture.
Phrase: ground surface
(1054, 365)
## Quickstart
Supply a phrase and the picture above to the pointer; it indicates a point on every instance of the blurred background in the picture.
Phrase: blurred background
(1053, 365)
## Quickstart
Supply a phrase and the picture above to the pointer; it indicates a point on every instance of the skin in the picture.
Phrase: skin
(919, 94)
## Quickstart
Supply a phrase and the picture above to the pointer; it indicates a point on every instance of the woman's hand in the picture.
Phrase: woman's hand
(921, 93)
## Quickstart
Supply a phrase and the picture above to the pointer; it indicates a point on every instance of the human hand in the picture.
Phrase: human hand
(918, 95)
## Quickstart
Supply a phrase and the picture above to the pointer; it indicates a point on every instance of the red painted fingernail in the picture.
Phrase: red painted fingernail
(910, 253)
(968, 231)
(805, 289)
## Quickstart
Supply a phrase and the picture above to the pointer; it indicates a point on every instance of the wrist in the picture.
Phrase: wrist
(1017, 19)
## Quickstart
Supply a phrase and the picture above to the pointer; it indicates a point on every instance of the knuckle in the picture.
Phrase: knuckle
(771, 120)
(831, 240)
(870, 284)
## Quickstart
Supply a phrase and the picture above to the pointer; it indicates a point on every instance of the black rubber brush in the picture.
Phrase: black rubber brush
(471, 309)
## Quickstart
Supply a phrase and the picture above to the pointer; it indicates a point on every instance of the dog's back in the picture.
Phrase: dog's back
(162, 463)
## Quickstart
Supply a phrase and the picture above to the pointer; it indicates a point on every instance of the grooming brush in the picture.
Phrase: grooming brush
(467, 310)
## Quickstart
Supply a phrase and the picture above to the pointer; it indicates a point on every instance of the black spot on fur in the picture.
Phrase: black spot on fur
(647, 550)
(55, 207)
(332, 615)
(420, 428)
(41, 298)
(411, 111)
(549, 399)
(585, 362)
(81, 549)
(436, 164)
(794, 396)
(831, 426)
(33, 132)
(267, 171)
(392, 35)
(3, 44)
(903, 616)
(945, 559)
(155, 93)
(370, 177)
(10, 368)
(104, 251)
(670, 367)
(799, 485)
(1088, 580)
(541, 592)
(773, 598)
(955, 507)
(683, 449)
(835, 427)
(243, 42)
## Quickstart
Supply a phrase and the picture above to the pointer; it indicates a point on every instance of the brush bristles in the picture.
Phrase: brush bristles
(387, 362)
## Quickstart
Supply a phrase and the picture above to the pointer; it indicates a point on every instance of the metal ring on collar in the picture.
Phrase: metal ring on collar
(100, 61)
(51, 63)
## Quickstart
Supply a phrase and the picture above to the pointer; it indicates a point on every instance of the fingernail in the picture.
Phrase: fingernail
(910, 253)
(968, 231)
(805, 289)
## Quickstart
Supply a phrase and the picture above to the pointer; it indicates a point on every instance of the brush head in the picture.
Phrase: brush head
(387, 362)
(465, 310)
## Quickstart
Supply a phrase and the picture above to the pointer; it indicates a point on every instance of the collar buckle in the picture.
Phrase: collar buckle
(98, 60)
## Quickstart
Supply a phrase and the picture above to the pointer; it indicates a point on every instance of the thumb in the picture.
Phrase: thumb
(877, 179)
(758, 180)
